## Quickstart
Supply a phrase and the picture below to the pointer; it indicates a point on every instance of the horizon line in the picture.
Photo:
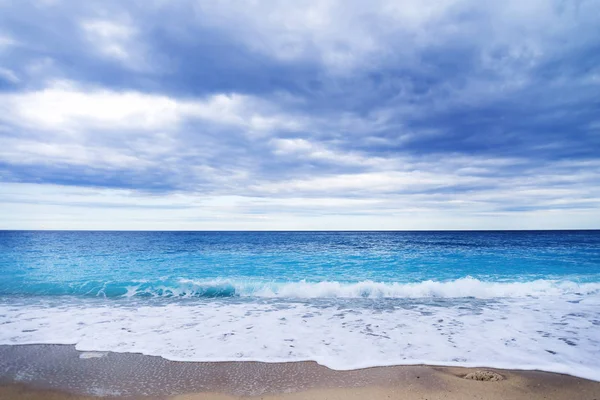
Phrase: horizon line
(303, 230)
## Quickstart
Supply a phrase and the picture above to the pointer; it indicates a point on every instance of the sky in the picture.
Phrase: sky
(325, 115)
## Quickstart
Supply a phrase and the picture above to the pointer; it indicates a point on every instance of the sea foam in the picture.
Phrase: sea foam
(556, 330)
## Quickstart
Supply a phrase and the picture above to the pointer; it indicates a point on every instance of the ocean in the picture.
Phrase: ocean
(347, 300)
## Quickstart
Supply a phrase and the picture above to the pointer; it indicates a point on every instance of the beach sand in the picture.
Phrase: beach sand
(58, 372)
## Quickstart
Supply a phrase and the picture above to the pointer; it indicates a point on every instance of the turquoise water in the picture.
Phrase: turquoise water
(111, 264)
(527, 300)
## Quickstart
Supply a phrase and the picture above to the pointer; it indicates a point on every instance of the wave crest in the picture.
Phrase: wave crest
(464, 287)
(214, 288)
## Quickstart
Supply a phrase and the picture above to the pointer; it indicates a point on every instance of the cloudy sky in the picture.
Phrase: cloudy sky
(208, 114)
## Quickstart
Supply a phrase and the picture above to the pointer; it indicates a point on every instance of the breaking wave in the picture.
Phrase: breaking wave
(215, 288)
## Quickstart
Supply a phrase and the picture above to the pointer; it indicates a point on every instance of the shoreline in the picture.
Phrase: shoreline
(61, 372)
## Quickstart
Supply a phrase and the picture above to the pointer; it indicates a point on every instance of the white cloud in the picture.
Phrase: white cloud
(363, 183)
(6, 41)
(30, 152)
(9, 75)
(68, 124)
(111, 38)
(251, 113)
(118, 40)
(32, 206)
(345, 35)
(306, 150)
(66, 107)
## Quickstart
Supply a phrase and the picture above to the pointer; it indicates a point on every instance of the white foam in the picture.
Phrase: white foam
(464, 287)
(86, 355)
(552, 332)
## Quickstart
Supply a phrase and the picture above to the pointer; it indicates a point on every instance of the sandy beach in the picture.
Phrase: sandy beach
(60, 372)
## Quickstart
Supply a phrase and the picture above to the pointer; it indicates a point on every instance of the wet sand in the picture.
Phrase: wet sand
(58, 372)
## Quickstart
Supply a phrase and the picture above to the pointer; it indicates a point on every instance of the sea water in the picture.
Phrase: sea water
(524, 300)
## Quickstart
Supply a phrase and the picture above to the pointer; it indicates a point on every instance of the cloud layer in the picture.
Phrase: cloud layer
(305, 115)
